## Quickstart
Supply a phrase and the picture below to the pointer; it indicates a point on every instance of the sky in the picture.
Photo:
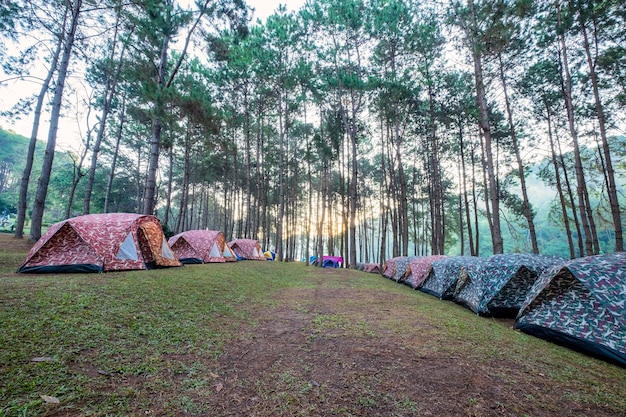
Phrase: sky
(264, 8)
(73, 125)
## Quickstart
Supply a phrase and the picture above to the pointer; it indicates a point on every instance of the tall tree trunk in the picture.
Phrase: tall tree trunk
(470, 236)
(22, 204)
(526, 208)
(149, 193)
(475, 203)
(559, 187)
(384, 190)
(118, 140)
(436, 185)
(170, 180)
(248, 151)
(162, 84)
(309, 177)
(46, 169)
(109, 94)
(566, 86)
(610, 172)
(570, 194)
(283, 120)
(481, 100)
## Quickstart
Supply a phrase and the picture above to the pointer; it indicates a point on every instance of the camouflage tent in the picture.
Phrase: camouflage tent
(444, 274)
(418, 270)
(581, 305)
(498, 286)
(101, 242)
(199, 246)
(396, 268)
(401, 268)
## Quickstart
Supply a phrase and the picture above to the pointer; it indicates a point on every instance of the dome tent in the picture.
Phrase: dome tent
(199, 246)
(444, 273)
(247, 249)
(100, 243)
(418, 270)
(581, 305)
(499, 284)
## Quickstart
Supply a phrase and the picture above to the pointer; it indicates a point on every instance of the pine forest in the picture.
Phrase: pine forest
(366, 129)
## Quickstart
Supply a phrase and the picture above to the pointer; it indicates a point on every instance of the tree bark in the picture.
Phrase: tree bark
(559, 188)
(566, 86)
(481, 100)
(109, 94)
(526, 207)
(46, 169)
(610, 172)
(118, 140)
(22, 204)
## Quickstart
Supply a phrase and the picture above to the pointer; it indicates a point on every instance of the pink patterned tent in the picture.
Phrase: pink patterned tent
(418, 270)
(247, 249)
(389, 267)
(101, 242)
(199, 246)
(372, 268)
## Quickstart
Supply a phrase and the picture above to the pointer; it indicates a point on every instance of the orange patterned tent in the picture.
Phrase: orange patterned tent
(199, 246)
(100, 243)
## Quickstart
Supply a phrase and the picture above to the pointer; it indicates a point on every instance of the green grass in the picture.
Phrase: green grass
(132, 324)
(166, 328)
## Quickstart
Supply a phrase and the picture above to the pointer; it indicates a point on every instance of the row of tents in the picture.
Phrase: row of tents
(125, 241)
(578, 303)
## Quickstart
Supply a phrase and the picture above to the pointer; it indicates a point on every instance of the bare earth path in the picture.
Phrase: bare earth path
(332, 350)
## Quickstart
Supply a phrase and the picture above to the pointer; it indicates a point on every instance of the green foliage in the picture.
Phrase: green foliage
(12, 149)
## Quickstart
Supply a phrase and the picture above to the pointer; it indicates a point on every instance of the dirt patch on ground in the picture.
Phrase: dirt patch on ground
(8, 242)
(320, 355)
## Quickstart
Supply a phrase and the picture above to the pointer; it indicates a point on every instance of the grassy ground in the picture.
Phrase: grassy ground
(267, 339)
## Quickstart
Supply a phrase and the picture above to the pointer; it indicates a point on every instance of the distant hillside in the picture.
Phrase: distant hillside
(13, 152)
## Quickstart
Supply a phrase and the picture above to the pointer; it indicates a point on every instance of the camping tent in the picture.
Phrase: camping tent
(581, 305)
(101, 242)
(498, 286)
(397, 268)
(331, 261)
(418, 270)
(247, 249)
(444, 274)
(371, 268)
(328, 261)
(198, 246)
(401, 268)
(388, 267)
(229, 255)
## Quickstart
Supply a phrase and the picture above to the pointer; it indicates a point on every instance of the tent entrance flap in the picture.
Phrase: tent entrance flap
(166, 252)
(215, 251)
(128, 250)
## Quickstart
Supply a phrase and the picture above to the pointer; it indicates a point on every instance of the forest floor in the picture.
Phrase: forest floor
(346, 343)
